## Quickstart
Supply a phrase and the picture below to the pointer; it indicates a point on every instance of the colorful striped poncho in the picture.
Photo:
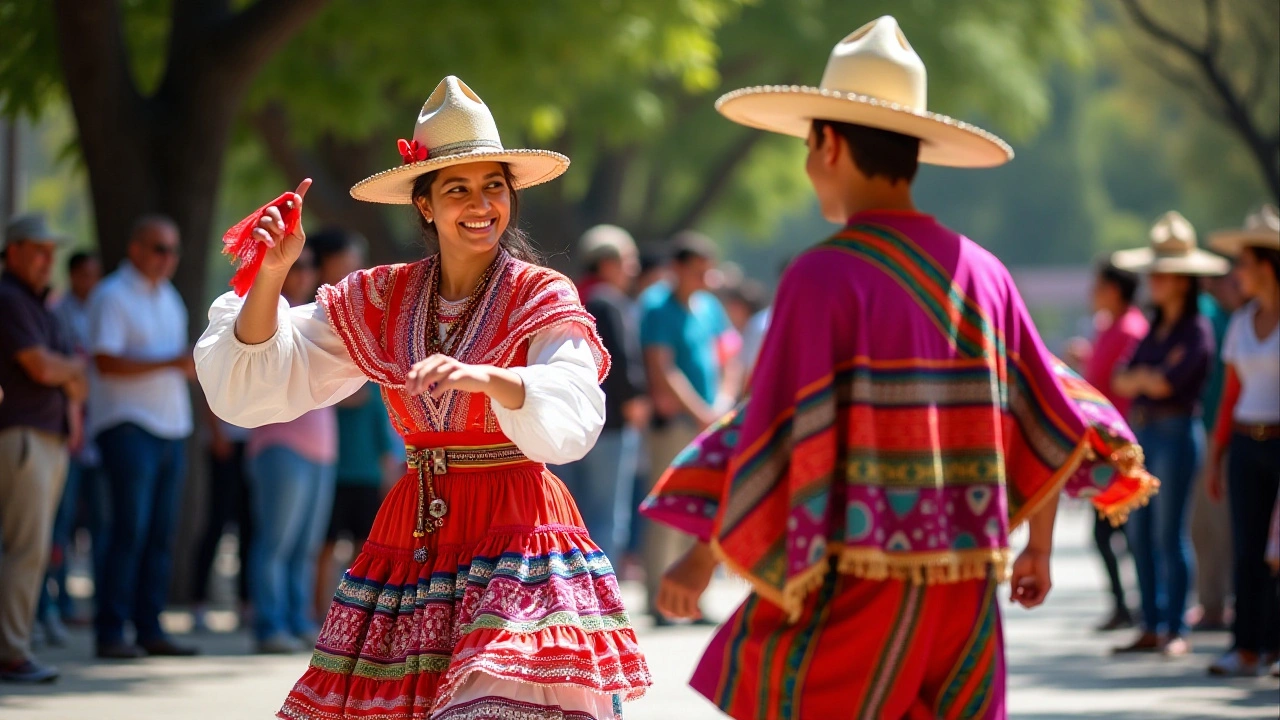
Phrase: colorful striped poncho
(903, 417)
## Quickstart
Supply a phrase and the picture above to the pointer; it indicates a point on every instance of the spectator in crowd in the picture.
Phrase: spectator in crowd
(1249, 428)
(227, 504)
(1165, 378)
(291, 468)
(45, 382)
(603, 482)
(742, 300)
(689, 345)
(56, 605)
(141, 419)
(364, 445)
(1210, 521)
(654, 282)
(1120, 327)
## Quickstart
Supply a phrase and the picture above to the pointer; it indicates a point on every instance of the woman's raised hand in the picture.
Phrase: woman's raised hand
(283, 246)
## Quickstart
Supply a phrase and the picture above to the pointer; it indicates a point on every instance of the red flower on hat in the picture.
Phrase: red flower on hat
(412, 151)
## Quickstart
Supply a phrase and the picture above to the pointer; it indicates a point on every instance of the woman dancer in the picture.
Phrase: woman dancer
(478, 593)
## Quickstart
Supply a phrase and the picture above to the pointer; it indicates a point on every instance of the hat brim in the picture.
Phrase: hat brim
(395, 186)
(1197, 262)
(1231, 242)
(790, 110)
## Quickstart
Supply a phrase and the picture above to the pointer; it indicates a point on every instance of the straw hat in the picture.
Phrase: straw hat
(873, 78)
(1172, 251)
(455, 127)
(1261, 229)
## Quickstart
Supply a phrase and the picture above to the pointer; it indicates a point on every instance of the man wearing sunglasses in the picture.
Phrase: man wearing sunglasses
(142, 415)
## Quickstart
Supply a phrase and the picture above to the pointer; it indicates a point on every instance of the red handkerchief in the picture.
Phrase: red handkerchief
(239, 243)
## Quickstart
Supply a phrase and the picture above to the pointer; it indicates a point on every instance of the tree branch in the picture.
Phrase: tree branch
(246, 40)
(715, 181)
(1157, 31)
(1184, 81)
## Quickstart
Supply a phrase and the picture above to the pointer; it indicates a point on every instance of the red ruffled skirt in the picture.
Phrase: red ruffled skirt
(515, 612)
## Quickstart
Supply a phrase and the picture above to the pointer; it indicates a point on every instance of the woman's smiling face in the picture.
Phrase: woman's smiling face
(470, 206)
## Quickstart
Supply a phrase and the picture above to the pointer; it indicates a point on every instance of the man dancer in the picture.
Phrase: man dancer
(903, 417)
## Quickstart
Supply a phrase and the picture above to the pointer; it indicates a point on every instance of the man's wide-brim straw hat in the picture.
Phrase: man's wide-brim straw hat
(873, 78)
(1172, 251)
(453, 128)
(1261, 230)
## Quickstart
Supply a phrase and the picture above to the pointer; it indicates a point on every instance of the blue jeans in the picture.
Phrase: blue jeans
(144, 478)
(602, 484)
(1158, 533)
(291, 498)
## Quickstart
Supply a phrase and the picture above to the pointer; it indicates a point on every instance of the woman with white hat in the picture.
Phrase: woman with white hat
(1248, 432)
(1165, 378)
(478, 593)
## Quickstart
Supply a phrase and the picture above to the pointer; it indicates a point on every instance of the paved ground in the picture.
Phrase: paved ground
(1058, 669)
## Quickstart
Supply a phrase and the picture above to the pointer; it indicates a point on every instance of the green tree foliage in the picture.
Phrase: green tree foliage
(627, 90)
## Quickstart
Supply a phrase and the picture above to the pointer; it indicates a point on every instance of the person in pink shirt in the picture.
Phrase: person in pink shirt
(1120, 327)
(292, 480)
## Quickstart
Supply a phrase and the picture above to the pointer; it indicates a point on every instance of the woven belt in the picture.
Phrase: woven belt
(433, 462)
(1257, 431)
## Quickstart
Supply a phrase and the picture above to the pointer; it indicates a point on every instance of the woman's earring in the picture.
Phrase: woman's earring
(430, 220)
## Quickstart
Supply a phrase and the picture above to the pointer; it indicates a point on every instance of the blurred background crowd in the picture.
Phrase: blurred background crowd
(131, 137)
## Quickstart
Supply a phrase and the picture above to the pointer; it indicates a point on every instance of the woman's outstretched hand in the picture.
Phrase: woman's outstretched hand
(283, 246)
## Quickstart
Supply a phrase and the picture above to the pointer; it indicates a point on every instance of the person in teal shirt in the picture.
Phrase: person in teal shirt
(690, 351)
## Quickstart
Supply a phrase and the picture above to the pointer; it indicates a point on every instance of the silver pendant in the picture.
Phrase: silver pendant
(420, 555)
(437, 508)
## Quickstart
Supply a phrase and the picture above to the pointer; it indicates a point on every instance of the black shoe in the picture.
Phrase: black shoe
(168, 648)
(28, 671)
(1119, 620)
(121, 651)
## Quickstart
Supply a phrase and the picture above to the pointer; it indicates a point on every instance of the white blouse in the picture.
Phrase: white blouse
(306, 366)
(1257, 363)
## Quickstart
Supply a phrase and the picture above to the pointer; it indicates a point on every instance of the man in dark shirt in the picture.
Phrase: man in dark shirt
(602, 483)
(44, 384)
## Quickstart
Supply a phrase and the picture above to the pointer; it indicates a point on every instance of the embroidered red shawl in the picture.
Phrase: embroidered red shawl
(381, 316)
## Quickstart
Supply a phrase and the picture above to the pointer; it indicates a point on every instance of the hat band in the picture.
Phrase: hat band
(466, 146)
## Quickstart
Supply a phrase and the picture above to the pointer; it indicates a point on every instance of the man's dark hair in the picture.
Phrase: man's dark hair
(689, 245)
(333, 240)
(876, 153)
(1125, 282)
(651, 260)
(77, 259)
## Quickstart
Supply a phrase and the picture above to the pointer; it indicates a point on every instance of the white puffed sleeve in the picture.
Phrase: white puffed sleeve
(563, 409)
(304, 366)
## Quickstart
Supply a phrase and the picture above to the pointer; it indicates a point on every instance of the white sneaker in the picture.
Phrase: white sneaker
(1233, 664)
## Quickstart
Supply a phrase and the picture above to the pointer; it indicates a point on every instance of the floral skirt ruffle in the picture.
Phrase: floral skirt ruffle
(523, 622)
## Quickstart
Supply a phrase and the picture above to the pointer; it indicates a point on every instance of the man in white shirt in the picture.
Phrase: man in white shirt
(142, 415)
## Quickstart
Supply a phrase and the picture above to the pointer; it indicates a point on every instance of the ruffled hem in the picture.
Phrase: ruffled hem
(531, 605)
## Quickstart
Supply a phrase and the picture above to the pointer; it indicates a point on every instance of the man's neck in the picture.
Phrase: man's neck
(879, 196)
